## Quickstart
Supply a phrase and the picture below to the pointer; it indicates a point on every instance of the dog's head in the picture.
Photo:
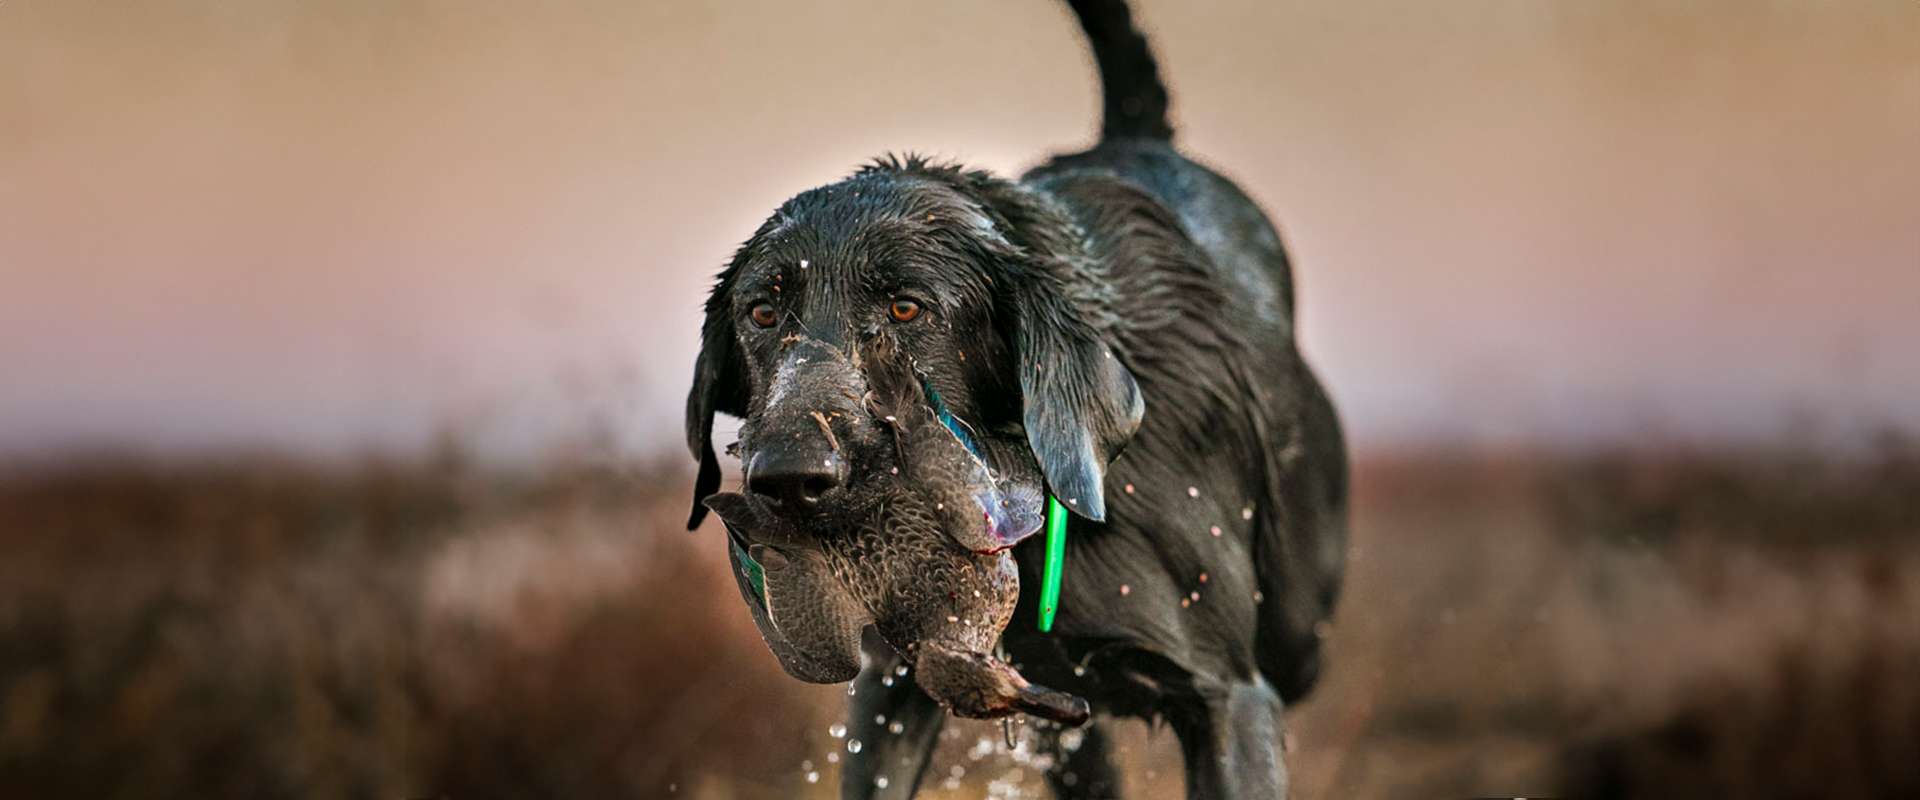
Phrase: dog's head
(909, 287)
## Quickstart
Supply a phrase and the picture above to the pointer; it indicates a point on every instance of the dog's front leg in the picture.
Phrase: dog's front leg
(896, 724)
(1082, 767)
(1231, 740)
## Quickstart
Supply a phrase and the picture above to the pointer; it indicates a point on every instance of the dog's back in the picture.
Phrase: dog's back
(1300, 534)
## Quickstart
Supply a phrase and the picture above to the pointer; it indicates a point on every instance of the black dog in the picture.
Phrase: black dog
(1119, 299)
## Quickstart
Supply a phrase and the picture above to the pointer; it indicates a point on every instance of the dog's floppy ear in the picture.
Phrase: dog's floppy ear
(719, 384)
(1080, 404)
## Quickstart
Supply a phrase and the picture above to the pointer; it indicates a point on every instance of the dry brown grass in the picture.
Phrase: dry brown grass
(1610, 627)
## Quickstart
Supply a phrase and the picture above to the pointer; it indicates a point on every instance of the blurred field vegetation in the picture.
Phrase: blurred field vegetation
(1636, 625)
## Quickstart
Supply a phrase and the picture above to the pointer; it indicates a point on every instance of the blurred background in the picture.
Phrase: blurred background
(344, 344)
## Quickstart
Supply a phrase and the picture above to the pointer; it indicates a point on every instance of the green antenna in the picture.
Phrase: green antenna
(1056, 556)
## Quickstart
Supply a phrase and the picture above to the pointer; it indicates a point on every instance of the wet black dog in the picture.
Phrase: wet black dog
(1123, 319)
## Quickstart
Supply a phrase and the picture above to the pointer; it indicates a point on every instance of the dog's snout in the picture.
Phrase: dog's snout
(796, 480)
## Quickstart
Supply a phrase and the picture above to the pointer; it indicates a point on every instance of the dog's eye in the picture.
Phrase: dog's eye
(763, 315)
(903, 310)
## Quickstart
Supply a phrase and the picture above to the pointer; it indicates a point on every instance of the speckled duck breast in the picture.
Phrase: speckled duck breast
(926, 562)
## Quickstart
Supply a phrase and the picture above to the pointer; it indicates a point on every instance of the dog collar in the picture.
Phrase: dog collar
(1056, 558)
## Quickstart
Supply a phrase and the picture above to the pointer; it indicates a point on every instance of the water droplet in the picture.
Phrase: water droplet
(1215, 530)
(837, 731)
(1195, 596)
(813, 777)
(1129, 488)
(1246, 513)
(849, 690)
(879, 719)
(1193, 491)
(1257, 596)
(1203, 579)
(896, 728)
(1071, 740)
(853, 745)
(957, 771)
(902, 669)
(803, 263)
(806, 764)
(1125, 590)
(886, 680)
(880, 782)
(950, 617)
(1079, 670)
(1184, 602)
(833, 758)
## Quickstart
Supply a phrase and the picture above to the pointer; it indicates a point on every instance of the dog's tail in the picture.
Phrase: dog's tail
(1135, 101)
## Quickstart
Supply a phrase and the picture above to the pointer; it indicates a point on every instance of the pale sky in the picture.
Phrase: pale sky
(333, 227)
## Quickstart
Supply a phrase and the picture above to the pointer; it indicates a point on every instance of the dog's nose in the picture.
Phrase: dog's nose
(795, 480)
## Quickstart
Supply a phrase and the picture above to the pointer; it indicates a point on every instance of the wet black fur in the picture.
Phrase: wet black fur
(1124, 316)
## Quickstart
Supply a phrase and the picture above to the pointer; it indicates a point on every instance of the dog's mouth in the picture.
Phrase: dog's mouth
(812, 607)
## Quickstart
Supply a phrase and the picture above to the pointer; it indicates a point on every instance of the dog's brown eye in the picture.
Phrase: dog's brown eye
(903, 310)
(762, 315)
